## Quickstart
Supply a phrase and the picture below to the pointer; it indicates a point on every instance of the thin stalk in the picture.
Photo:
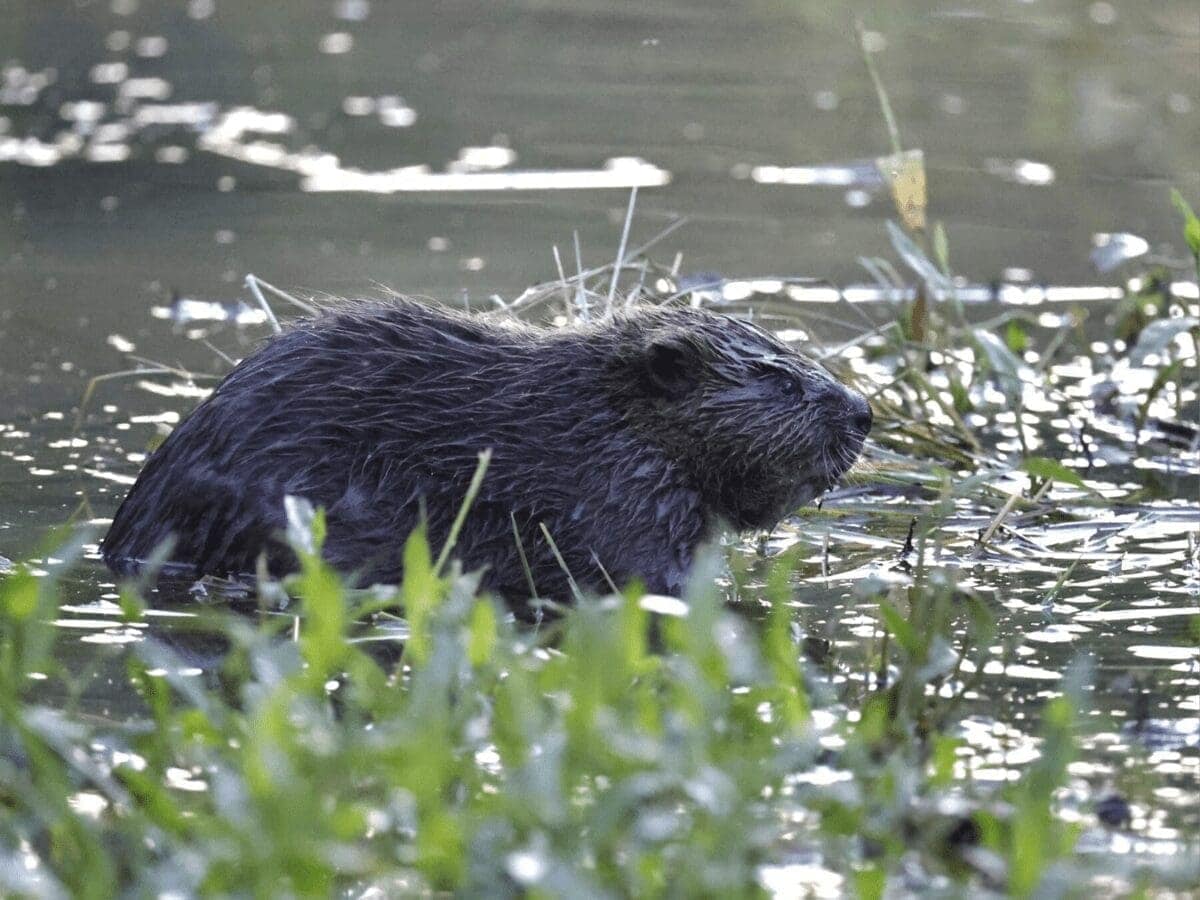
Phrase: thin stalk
(252, 287)
(485, 457)
(1008, 508)
(566, 288)
(888, 117)
(220, 353)
(619, 264)
(282, 295)
(521, 553)
(562, 563)
(580, 291)
(125, 373)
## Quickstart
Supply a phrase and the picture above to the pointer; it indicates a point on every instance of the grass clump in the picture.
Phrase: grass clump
(483, 758)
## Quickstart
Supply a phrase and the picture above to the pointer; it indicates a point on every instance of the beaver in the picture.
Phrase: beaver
(630, 440)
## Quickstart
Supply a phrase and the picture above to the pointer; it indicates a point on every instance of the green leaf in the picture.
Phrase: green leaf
(900, 628)
(1016, 337)
(631, 624)
(1041, 467)
(132, 605)
(945, 752)
(870, 883)
(916, 260)
(302, 528)
(1156, 336)
(481, 468)
(19, 598)
(873, 723)
(1164, 376)
(483, 633)
(1191, 224)
(1000, 361)
(421, 593)
(960, 396)
(323, 634)
(941, 247)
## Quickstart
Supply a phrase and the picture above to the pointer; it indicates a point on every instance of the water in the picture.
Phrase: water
(152, 154)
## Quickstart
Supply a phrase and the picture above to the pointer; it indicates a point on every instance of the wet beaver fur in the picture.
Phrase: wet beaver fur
(630, 440)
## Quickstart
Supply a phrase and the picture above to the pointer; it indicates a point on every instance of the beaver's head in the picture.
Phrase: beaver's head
(760, 428)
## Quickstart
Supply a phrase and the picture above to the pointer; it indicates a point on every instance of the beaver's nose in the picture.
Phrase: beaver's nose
(860, 417)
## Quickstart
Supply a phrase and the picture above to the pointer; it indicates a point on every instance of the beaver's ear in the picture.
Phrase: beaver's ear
(670, 367)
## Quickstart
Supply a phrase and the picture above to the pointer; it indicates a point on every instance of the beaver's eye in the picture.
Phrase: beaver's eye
(785, 384)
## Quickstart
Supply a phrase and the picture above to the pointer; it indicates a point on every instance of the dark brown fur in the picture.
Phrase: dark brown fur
(630, 440)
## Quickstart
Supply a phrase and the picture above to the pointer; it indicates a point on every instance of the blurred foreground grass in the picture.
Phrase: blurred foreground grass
(633, 746)
(630, 747)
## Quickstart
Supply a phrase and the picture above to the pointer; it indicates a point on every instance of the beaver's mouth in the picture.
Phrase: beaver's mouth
(773, 494)
(836, 463)
(839, 458)
(809, 490)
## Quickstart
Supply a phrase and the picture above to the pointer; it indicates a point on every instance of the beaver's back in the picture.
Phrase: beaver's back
(375, 414)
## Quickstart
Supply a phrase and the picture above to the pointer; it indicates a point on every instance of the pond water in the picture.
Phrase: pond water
(152, 154)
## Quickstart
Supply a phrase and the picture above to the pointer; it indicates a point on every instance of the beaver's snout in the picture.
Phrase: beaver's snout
(858, 415)
(848, 418)
(846, 410)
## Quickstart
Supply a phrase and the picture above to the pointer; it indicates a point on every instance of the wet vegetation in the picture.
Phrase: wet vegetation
(418, 738)
(636, 745)
(975, 669)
